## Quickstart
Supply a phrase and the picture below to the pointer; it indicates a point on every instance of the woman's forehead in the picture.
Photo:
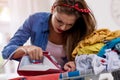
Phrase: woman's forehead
(65, 17)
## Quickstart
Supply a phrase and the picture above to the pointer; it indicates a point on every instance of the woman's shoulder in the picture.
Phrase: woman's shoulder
(41, 14)
(39, 17)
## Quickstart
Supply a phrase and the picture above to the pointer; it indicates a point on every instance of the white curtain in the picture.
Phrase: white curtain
(21, 9)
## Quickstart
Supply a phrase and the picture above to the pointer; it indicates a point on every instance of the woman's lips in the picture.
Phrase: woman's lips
(60, 30)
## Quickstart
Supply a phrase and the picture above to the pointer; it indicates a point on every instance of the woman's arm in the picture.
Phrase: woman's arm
(34, 52)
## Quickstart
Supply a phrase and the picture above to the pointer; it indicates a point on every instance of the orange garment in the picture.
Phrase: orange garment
(40, 77)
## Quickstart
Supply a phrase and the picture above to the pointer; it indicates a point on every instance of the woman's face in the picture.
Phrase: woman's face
(62, 22)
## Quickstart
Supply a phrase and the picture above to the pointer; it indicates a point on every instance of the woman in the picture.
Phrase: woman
(57, 32)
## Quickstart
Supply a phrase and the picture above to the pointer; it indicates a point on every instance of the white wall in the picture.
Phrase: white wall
(102, 12)
(21, 9)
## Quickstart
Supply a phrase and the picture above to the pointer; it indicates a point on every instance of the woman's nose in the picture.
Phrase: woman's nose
(63, 27)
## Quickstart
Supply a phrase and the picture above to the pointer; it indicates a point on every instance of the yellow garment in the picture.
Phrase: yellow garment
(88, 49)
(98, 36)
(113, 35)
(92, 49)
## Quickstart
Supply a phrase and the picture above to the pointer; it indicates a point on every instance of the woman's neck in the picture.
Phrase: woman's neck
(55, 37)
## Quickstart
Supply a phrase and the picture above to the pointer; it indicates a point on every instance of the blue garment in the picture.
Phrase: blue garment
(108, 45)
(36, 27)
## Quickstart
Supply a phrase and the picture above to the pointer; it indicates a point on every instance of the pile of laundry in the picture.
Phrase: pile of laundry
(99, 52)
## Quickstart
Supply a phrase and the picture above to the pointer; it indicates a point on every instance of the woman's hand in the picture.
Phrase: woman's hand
(35, 53)
(70, 66)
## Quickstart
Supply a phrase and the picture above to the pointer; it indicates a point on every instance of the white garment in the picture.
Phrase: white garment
(99, 64)
(83, 63)
(113, 61)
(57, 52)
(86, 62)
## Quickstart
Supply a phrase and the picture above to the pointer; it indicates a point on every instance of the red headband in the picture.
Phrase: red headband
(77, 8)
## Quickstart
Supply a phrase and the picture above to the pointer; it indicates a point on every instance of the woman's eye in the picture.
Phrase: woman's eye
(70, 25)
(59, 21)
